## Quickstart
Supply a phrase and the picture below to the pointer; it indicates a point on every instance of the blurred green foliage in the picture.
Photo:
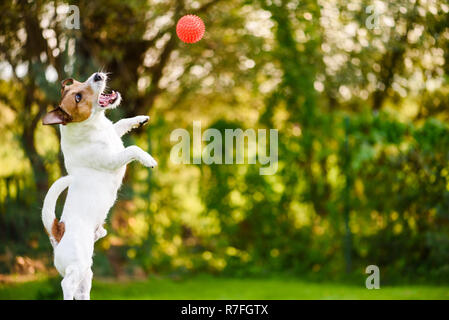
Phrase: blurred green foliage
(363, 136)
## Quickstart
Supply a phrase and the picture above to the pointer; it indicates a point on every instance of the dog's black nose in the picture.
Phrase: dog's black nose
(97, 77)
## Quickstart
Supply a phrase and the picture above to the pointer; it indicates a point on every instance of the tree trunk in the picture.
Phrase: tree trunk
(40, 173)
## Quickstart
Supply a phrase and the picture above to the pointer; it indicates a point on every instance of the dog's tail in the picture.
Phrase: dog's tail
(54, 229)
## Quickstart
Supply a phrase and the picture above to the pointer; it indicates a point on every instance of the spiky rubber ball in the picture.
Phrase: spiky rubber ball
(190, 29)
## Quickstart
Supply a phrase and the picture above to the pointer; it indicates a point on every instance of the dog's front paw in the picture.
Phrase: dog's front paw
(148, 161)
(141, 120)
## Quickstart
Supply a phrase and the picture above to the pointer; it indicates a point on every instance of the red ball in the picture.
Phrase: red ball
(190, 29)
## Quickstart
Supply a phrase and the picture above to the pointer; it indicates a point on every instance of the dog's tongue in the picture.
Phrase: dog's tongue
(106, 99)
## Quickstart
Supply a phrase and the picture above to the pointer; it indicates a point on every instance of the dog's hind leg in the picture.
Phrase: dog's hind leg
(83, 291)
(100, 233)
(70, 282)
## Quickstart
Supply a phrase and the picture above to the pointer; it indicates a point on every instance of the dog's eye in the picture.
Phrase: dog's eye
(78, 97)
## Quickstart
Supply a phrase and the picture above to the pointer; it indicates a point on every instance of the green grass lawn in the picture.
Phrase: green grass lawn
(207, 287)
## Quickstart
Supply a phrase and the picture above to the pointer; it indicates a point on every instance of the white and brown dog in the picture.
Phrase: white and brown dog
(96, 160)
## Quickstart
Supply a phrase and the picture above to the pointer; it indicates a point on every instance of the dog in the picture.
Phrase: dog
(96, 160)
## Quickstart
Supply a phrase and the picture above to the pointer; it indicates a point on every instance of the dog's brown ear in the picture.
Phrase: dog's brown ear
(66, 82)
(56, 116)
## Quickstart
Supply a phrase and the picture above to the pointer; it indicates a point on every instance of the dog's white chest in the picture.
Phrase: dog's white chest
(88, 148)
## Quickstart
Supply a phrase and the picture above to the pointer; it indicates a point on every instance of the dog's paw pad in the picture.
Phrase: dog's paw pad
(150, 163)
(140, 121)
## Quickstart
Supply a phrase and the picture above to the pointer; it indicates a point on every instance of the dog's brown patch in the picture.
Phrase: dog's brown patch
(57, 230)
(69, 109)
(79, 111)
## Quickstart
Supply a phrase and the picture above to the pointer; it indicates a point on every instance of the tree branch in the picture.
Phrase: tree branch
(206, 6)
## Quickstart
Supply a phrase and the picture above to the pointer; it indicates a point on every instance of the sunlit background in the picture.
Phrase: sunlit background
(358, 91)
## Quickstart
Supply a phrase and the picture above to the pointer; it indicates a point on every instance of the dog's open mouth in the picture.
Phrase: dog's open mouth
(106, 99)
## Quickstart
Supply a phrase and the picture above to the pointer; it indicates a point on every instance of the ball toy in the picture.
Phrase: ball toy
(190, 28)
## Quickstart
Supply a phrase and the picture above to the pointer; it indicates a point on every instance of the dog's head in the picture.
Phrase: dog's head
(80, 99)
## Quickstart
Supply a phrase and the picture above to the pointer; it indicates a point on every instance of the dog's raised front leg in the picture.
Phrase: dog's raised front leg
(126, 125)
(131, 153)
